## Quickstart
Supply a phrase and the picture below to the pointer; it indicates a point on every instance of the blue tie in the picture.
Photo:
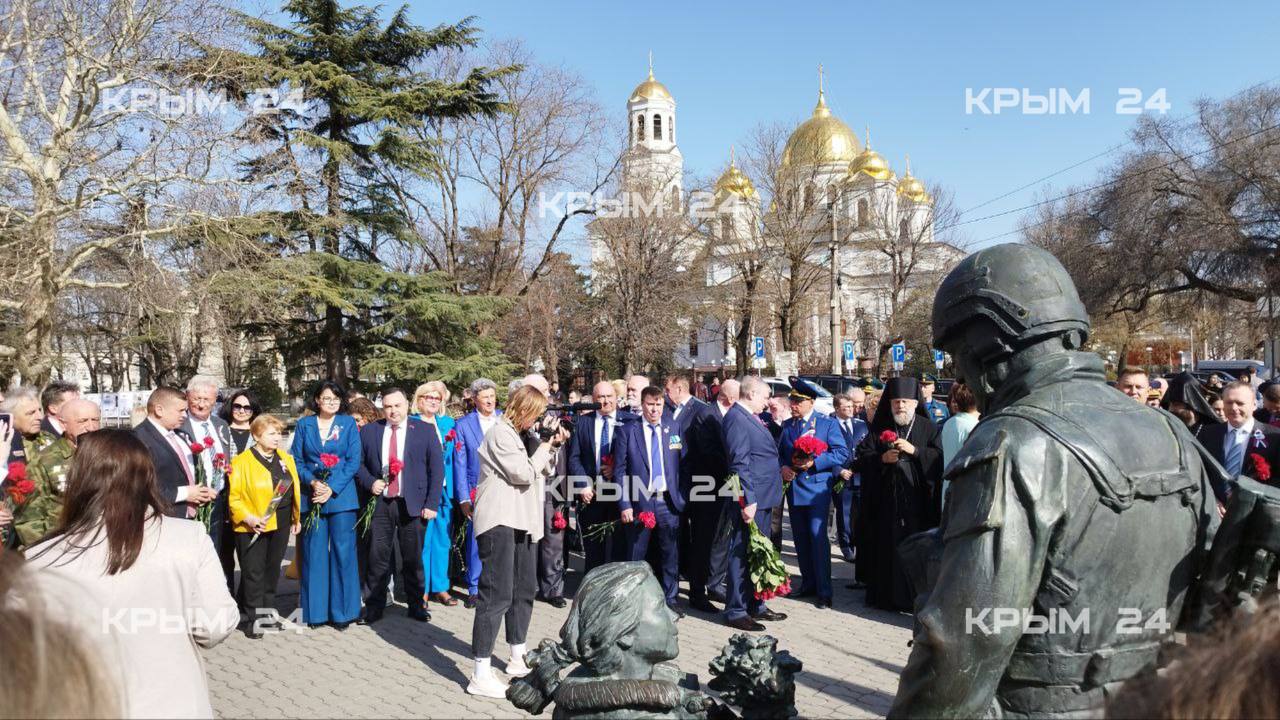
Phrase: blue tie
(606, 442)
(1235, 453)
(657, 479)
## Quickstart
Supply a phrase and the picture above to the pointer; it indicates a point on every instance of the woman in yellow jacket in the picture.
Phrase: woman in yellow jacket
(260, 538)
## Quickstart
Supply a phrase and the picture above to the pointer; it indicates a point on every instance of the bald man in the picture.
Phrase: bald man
(48, 470)
(728, 396)
(590, 465)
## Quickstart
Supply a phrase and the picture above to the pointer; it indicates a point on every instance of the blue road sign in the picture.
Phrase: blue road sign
(899, 352)
(848, 350)
(759, 342)
(938, 358)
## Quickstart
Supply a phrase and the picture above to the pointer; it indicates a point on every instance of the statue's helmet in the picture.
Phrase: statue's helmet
(1022, 290)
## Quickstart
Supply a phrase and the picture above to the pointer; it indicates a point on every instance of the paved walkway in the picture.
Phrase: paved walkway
(398, 668)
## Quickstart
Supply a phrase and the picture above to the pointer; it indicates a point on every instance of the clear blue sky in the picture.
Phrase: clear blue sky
(903, 69)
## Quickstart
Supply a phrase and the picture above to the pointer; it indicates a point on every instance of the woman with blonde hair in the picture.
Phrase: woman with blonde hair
(516, 457)
(430, 400)
(261, 538)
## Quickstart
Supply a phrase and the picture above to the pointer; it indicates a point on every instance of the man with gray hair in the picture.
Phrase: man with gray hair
(207, 429)
(635, 385)
(471, 430)
(23, 406)
(48, 471)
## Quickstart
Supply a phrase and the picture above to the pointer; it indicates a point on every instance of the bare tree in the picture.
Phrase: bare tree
(99, 139)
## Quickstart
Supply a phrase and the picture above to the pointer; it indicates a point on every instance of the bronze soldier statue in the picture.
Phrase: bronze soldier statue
(1077, 520)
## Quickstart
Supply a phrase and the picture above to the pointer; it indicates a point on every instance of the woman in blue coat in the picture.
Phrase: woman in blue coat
(330, 574)
(429, 401)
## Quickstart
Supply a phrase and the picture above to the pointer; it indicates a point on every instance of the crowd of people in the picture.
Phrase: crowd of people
(422, 493)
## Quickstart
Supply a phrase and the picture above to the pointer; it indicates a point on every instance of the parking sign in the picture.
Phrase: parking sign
(759, 343)
(848, 351)
(938, 358)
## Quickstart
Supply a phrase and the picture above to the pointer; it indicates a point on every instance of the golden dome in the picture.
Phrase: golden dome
(911, 188)
(734, 181)
(821, 140)
(870, 163)
(650, 89)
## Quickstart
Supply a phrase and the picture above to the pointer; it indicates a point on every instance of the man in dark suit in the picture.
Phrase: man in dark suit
(853, 428)
(702, 472)
(591, 468)
(405, 500)
(1241, 441)
(171, 453)
(647, 457)
(201, 423)
(52, 398)
(753, 457)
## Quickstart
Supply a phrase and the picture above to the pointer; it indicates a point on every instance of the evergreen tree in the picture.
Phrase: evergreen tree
(354, 95)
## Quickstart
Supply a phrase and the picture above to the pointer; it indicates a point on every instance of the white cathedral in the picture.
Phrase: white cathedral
(829, 178)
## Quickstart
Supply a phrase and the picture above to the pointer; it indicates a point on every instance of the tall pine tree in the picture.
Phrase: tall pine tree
(355, 90)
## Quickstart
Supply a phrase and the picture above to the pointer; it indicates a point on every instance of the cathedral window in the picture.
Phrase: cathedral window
(657, 127)
(864, 214)
(726, 227)
(693, 343)
(903, 230)
(640, 127)
(671, 128)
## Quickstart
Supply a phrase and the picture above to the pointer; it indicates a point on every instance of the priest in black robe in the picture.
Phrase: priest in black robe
(901, 490)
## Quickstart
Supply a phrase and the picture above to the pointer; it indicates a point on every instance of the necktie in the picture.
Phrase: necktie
(606, 440)
(1235, 453)
(848, 428)
(657, 478)
(393, 455)
(186, 467)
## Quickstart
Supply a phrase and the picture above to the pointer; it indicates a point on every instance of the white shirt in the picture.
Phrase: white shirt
(171, 437)
(401, 431)
(679, 408)
(486, 422)
(725, 408)
(201, 429)
(613, 430)
(657, 480)
(1239, 434)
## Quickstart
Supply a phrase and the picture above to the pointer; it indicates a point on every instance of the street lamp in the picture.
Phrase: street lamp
(1150, 366)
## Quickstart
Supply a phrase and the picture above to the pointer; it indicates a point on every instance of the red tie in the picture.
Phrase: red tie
(393, 456)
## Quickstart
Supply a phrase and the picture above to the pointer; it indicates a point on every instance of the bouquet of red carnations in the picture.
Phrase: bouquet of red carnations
(764, 563)
(366, 518)
(329, 461)
(204, 513)
(277, 497)
(17, 490)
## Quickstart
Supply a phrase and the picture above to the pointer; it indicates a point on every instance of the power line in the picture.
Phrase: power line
(1099, 186)
(1108, 151)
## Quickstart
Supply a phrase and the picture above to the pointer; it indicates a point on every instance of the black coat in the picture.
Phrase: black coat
(170, 473)
(1213, 438)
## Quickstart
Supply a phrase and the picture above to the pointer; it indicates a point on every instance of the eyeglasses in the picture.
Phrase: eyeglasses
(430, 397)
(330, 400)
(238, 406)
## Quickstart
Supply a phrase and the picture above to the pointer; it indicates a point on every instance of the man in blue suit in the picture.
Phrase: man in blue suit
(405, 500)
(647, 455)
(470, 432)
(854, 428)
(591, 464)
(753, 457)
(809, 494)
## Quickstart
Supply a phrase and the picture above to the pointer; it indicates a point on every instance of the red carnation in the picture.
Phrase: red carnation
(220, 457)
(208, 441)
(451, 436)
(810, 445)
(197, 448)
(24, 486)
(1261, 468)
(648, 520)
(329, 459)
(558, 522)
(395, 466)
(888, 437)
(17, 471)
(473, 496)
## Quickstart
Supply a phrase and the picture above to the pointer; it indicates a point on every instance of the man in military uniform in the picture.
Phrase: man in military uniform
(936, 409)
(1068, 502)
(47, 469)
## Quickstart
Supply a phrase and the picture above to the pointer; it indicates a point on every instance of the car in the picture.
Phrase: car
(825, 402)
(834, 384)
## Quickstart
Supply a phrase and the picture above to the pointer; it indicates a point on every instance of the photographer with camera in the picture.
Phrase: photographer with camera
(508, 519)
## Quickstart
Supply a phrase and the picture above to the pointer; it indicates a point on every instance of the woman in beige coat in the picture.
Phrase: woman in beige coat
(147, 589)
(514, 466)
